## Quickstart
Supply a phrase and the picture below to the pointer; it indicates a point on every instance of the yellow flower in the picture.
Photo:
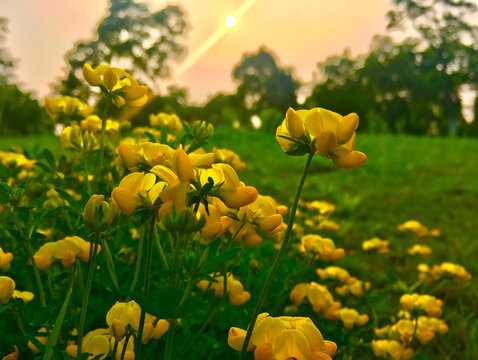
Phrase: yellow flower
(354, 286)
(232, 192)
(93, 123)
(5, 258)
(328, 133)
(145, 155)
(457, 272)
(66, 105)
(350, 317)
(417, 228)
(334, 272)
(169, 121)
(430, 304)
(263, 213)
(129, 352)
(229, 157)
(319, 297)
(323, 207)
(26, 296)
(122, 315)
(18, 160)
(135, 190)
(67, 249)
(235, 290)
(422, 250)
(118, 83)
(73, 138)
(392, 348)
(216, 223)
(96, 342)
(320, 247)
(376, 243)
(7, 287)
(283, 338)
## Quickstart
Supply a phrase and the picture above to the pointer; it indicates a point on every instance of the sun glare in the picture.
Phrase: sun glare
(230, 21)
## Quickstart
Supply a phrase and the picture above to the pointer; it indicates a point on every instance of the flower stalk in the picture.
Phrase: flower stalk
(278, 257)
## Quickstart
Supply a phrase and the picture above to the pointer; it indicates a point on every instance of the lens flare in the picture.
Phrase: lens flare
(230, 21)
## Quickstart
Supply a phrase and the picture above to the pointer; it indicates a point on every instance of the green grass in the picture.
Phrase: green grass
(432, 180)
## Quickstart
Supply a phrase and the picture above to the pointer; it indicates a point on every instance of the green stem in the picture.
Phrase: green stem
(81, 280)
(86, 173)
(110, 265)
(99, 167)
(139, 257)
(59, 320)
(277, 259)
(86, 295)
(28, 246)
(147, 278)
(125, 345)
(168, 351)
(158, 245)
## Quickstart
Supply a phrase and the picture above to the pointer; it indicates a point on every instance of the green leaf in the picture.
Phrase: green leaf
(191, 306)
(298, 151)
(5, 193)
(213, 263)
(59, 322)
(187, 129)
(150, 137)
(49, 158)
(43, 166)
(66, 196)
(41, 316)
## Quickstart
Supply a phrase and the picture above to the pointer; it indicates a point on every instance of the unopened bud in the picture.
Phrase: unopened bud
(202, 130)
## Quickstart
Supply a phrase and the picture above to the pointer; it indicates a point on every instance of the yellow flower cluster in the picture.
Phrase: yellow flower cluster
(319, 297)
(66, 250)
(320, 248)
(17, 160)
(168, 121)
(235, 291)
(423, 327)
(100, 343)
(457, 272)
(375, 243)
(351, 284)
(117, 83)
(418, 229)
(280, 338)
(392, 349)
(351, 317)
(329, 134)
(354, 286)
(420, 249)
(68, 106)
(92, 124)
(316, 217)
(430, 304)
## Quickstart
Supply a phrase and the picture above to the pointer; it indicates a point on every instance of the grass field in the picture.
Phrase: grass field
(432, 180)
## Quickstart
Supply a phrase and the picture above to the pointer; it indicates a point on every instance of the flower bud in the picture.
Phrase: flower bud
(98, 215)
(118, 330)
(90, 75)
(202, 130)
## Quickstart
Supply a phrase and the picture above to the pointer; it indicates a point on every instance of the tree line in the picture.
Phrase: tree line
(411, 85)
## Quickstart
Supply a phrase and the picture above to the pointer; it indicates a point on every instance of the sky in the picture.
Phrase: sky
(301, 33)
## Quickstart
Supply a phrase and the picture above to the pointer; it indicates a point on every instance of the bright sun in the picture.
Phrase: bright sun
(230, 21)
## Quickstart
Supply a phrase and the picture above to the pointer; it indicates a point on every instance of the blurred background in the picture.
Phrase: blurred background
(405, 66)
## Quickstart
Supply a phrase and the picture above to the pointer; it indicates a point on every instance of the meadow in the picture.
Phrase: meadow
(432, 180)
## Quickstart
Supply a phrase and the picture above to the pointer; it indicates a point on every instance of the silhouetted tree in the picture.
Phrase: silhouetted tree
(133, 37)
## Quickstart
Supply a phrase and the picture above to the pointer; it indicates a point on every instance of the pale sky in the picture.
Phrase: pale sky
(300, 32)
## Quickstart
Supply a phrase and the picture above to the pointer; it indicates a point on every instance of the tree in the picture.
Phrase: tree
(442, 27)
(132, 37)
(6, 61)
(263, 84)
